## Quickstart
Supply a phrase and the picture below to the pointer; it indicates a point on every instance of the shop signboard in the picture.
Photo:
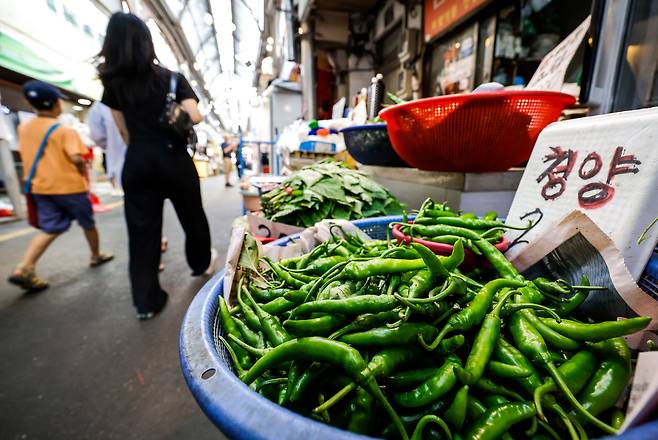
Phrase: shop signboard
(439, 15)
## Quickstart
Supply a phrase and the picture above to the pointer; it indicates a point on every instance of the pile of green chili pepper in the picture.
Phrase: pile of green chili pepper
(437, 223)
(393, 341)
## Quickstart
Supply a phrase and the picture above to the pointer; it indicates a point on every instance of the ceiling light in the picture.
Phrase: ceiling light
(207, 17)
(269, 48)
(193, 83)
(195, 65)
(233, 27)
(84, 101)
(270, 40)
(77, 108)
(125, 7)
(300, 30)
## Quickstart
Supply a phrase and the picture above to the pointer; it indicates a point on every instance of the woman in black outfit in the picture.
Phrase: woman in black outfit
(156, 167)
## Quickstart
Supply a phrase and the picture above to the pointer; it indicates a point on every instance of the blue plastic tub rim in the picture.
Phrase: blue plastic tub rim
(377, 126)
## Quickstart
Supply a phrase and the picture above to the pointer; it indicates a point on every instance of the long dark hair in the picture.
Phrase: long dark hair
(127, 57)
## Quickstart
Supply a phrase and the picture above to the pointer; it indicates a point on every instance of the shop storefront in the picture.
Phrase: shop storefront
(473, 42)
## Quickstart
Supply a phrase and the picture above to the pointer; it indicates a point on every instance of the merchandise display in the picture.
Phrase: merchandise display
(394, 341)
(327, 189)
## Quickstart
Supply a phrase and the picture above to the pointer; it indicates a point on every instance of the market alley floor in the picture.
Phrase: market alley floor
(75, 363)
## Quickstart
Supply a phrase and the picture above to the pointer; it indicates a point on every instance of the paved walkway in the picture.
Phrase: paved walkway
(75, 362)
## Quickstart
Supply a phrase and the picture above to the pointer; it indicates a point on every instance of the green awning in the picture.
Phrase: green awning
(16, 56)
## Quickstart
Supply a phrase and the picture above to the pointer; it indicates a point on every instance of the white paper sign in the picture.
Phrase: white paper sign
(605, 166)
(644, 392)
(267, 228)
(551, 71)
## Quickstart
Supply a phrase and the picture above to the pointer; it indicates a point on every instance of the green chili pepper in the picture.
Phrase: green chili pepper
(489, 386)
(551, 337)
(381, 364)
(531, 343)
(406, 333)
(268, 294)
(498, 420)
(335, 353)
(507, 353)
(420, 284)
(576, 371)
(474, 313)
(568, 307)
(302, 383)
(361, 409)
(272, 328)
(491, 215)
(617, 418)
(355, 305)
(430, 418)
(293, 374)
(410, 378)
(320, 326)
(360, 270)
(506, 371)
(439, 213)
(433, 263)
(321, 265)
(229, 327)
(283, 274)
(474, 408)
(456, 412)
(366, 321)
(248, 335)
(433, 388)
(600, 331)
(247, 312)
(278, 305)
(610, 378)
(483, 346)
(455, 285)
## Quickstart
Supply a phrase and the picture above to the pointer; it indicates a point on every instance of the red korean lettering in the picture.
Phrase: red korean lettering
(585, 173)
(557, 173)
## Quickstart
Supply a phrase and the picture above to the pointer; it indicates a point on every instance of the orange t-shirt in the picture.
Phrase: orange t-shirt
(56, 173)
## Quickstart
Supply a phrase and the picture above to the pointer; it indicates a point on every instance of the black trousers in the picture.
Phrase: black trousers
(151, 174)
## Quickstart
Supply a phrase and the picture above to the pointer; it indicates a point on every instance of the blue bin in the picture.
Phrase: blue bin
(232, 406)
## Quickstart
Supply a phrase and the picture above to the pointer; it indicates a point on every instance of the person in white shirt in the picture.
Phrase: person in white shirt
(103, 130)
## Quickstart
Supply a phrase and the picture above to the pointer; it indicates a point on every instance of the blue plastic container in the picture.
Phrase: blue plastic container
(370, 145)
(232, 406)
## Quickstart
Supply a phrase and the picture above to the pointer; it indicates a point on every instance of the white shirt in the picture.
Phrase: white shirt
(104, 132)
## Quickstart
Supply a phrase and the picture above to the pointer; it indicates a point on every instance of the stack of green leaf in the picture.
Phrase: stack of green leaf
(328, 189)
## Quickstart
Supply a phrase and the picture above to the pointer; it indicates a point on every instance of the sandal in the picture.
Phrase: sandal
(28, 280)
(100, 259)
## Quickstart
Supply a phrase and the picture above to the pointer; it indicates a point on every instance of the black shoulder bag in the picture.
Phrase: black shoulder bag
(175, 120)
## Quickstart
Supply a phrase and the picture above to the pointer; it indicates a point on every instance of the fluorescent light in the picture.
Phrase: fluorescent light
(125, 7)
(269, 48)
(77, 108)
(193, 83)
(300, 30)
(84, 101)
(208, 19)
(270, 40)
(195, 65)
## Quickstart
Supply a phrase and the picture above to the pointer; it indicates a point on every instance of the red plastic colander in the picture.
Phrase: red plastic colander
(476, 132)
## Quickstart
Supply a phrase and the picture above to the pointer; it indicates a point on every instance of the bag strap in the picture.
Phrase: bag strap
(27, 186)
(173, 84)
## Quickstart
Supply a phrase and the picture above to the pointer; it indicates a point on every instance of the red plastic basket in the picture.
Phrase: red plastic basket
(470, 259)
(476, 132)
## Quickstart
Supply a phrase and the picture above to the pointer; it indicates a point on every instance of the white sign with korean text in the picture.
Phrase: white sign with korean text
(551, 71)
(605, 166)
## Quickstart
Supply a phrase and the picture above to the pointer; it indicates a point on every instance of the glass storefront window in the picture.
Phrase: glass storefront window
(452, 63)
(637, 84)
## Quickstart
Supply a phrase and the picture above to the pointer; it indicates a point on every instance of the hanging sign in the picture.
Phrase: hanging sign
(439, 15)
(551, 71)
